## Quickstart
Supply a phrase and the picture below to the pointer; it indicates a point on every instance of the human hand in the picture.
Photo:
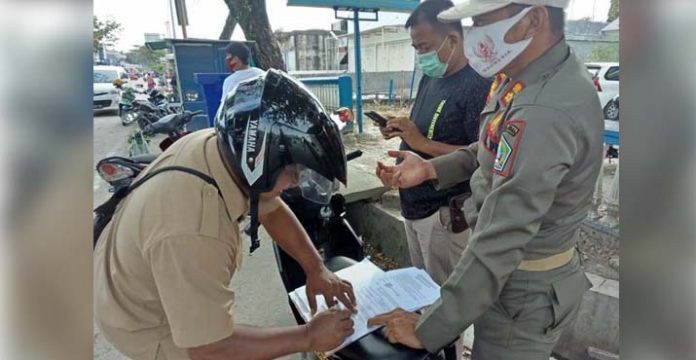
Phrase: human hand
(412, 171)
(328, 329)
(407, 130)
(326, 283)
(399, 327)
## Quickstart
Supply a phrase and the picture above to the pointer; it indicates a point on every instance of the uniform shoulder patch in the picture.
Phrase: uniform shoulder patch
(507, 148)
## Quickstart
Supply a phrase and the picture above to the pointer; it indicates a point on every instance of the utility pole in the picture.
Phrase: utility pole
(594, 7)
(181, 14)
(171, 15)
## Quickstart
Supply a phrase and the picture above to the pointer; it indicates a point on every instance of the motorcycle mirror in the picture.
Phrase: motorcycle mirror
(336, 119)
(344, 114)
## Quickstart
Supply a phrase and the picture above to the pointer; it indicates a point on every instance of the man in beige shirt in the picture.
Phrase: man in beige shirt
(162, 266)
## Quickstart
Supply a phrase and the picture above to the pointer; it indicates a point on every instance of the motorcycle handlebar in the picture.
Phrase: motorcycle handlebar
(353, 155)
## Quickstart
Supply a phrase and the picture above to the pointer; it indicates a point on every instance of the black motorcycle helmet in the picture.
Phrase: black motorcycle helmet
(270, 122)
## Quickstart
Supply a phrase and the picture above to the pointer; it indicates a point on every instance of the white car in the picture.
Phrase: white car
(106, 96)
(605, 76)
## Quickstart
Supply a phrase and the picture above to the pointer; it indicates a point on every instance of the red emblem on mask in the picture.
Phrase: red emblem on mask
(485, 50)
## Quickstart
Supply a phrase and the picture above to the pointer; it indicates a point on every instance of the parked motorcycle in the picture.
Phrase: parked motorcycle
(154, 107)
(340, 246)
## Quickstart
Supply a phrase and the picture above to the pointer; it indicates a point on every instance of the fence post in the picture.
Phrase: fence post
(345, 97)
(612, 202)
(391, 91)
(599, 191)
(345, 91)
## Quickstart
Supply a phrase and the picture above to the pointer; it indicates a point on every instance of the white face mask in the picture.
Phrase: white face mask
(486, 49)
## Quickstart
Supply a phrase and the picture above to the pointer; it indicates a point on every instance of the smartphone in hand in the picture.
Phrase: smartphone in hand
(376, 117)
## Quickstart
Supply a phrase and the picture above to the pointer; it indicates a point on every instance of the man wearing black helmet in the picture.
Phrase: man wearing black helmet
(163, 264)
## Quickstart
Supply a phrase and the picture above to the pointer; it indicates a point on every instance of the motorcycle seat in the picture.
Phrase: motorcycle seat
(373, 345)
(166, 124)
(144, 159)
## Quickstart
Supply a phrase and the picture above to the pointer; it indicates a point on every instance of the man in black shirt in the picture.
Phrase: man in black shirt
(444, 117)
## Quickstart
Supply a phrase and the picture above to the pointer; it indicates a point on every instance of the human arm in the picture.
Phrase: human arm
(445, 171)
(326, 331)
(282, 225)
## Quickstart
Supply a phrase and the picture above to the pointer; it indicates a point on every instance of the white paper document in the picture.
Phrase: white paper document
(376, 292)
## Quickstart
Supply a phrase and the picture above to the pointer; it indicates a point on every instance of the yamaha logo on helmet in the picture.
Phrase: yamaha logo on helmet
(252, 165)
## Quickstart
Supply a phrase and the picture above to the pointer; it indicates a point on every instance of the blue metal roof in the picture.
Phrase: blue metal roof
(383, 5)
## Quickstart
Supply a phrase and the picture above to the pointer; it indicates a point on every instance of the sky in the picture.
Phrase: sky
(207, 17)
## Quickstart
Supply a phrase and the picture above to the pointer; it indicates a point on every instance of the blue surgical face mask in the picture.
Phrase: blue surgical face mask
(430, 64)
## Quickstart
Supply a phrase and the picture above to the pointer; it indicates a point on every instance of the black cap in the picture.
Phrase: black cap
(239, 50)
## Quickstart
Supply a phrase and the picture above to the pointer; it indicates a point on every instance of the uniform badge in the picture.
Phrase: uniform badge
(493, 126)
(503, 156)
(515, 89)
(495, 85)
(512, 129)
(507, 148)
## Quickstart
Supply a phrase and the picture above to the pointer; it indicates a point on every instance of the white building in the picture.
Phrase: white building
(152, 37)
(384, 49)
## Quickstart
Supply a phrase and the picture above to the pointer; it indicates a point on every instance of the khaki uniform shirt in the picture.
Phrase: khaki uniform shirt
(532, 177)
(162, 267)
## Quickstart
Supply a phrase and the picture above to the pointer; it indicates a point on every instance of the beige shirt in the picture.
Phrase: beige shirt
(162, 267)
(532, 174)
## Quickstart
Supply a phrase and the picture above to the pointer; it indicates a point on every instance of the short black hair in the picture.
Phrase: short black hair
(427, 12)
(239, 50)
(556, 17)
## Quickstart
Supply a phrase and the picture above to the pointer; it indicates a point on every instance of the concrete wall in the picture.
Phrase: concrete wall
(308, 50)
(595, 50)
(383, 49)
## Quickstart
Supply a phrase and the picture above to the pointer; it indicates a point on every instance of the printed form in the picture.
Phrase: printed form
(376, 292)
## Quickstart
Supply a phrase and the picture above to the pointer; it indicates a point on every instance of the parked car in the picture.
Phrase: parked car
(611, 110)
(106, 95)
(605, 76)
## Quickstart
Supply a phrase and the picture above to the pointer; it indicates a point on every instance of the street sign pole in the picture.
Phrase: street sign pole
(358, 68)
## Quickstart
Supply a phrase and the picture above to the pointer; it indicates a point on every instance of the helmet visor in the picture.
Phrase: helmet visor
(315, 187)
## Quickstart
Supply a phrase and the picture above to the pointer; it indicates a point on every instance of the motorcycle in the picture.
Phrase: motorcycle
(120, 171)
(340, 246)
(155, 106)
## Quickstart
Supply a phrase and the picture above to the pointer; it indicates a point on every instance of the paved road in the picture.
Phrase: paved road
(260, 297)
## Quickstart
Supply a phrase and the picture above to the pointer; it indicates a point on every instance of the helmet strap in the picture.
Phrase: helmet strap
(254, 226)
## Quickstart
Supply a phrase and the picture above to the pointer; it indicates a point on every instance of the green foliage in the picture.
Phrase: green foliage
(142, 55)
(160, 68)
(604, 52)
(104, 32)
(613, 11)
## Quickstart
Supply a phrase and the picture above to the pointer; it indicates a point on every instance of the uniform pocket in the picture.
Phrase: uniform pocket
(566, 297)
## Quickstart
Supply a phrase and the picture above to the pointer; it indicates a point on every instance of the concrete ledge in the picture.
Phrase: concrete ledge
(384, 229)
(607, 236)
(362, 185)
(596, 326)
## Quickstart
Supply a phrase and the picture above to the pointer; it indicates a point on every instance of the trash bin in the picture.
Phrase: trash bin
(211, 83)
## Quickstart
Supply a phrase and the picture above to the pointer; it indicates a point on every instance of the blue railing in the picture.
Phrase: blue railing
(332, 92)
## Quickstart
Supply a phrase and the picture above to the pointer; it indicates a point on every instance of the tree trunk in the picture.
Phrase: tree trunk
(227, 30)
(252, 17)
